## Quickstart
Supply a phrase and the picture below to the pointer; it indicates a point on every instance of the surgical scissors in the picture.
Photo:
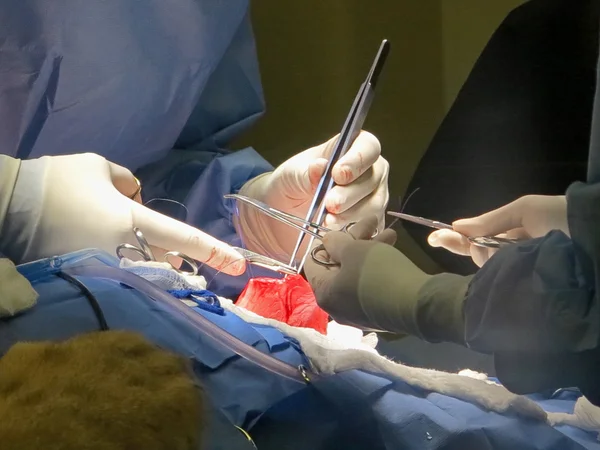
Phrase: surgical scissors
(313, 229)
(288, 219)
(251, 257)
(480, 241)
(146, 253)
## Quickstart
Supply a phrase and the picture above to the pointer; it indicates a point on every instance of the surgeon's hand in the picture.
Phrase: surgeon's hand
(528, 217)
(66, 203)
(375, 287)
(361, 178)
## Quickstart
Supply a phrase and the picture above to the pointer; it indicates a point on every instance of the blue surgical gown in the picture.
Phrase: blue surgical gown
(159, 87)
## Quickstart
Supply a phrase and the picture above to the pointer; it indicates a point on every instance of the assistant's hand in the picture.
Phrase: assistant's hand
(361, 178)
(66, 203)
(531, 216)
(376, 287)
(345, 291)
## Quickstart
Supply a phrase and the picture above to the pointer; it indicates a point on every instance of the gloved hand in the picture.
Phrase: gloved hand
(361, 178)
(528, 217)
(61, 204)
(377, 288)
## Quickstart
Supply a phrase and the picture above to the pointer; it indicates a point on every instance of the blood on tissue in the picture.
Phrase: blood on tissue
(289, 300)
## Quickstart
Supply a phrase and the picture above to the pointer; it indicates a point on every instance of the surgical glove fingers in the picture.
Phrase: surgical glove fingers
(517, 233)
(124, 182)
(480, 255)
(491, 223)
(364, 152)
(342, 198)
(373, 204)
(80, 201)
(165, 232)
(387, 236)
(335, 243)
(361, 175)
(451, 241)
(535, 214)
(458, 244)
(365, 228)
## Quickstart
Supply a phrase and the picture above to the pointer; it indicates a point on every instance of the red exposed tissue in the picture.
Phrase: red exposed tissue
(289, 300)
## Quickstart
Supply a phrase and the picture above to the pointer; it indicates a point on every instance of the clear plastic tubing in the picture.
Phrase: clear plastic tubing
(198, 321)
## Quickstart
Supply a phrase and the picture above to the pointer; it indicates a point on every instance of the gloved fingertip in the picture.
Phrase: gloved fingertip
(434, 240)
(342, 174)
(332, 239)
(460, 222)
(387, 236)
(372, 220)
(464, 225)
(333, 204)
(327, 238)
(364, 228)
(238, 267)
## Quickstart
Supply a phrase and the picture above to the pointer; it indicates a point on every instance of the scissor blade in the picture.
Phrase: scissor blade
(261, 206)
(421, 221)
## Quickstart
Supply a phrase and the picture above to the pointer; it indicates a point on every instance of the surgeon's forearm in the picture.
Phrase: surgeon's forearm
(440, 308)
(435, 313)
(400, 299)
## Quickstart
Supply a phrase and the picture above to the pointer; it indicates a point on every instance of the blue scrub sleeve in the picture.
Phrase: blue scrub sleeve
(226, 174)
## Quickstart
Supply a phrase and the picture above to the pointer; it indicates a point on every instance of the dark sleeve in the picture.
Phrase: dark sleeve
(533, 82)
(535, 306)
(396, 296)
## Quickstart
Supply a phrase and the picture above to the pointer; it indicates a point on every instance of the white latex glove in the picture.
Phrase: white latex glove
(361, 178)
(66, 203)
(528, 217)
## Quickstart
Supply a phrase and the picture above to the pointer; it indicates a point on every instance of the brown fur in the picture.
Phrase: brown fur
(100, 391)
